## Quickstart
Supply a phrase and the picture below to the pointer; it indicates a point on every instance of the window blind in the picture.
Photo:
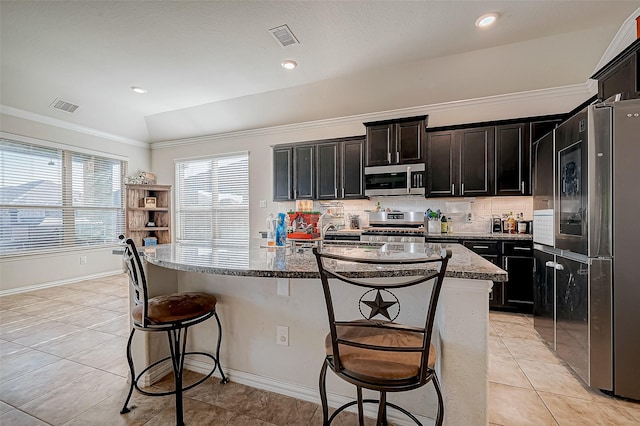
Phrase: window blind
(212, 199)
(53, 198)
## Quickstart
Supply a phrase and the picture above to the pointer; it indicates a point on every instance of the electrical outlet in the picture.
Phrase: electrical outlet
(83, 260)
(282, 335)
(263, 204)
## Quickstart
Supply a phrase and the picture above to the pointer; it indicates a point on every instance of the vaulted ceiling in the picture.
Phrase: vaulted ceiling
(212, 66)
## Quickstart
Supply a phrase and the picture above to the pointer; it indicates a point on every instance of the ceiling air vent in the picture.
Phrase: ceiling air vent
(64, 106)
(284, 36)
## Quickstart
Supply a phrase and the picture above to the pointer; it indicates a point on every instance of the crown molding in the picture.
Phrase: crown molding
(19, 113)
(488, 101)
(623, 38)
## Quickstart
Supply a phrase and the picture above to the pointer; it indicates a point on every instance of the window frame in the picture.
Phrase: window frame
(216, 213)
(70, 210)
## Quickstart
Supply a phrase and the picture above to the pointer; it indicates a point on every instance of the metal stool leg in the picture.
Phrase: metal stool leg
(224, 378)
(323, 393)
(360, 406)
(125, 409)
(440, 415)
(382, 410)
(177, 345)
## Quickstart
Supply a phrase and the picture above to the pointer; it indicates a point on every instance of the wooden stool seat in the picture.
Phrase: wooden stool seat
(177, 307)
(380, 365)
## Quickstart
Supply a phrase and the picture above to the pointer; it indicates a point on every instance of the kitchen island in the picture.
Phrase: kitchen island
(259, 289)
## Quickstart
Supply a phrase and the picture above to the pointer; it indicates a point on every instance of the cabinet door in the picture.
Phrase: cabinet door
(512, 160)
(409, 143)
(303, 172)
(476, 161)
(518, 291)
(440, 169)
(380, 145)
(353, 169)
(282, 174)
(327, 169)
(621, 79)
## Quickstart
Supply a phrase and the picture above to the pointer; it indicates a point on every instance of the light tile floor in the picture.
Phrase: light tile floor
(62, 363)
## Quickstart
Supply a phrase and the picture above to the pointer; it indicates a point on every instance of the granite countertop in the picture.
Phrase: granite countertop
(255, 260)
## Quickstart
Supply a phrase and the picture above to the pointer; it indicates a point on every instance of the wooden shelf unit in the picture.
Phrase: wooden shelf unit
(138, 217)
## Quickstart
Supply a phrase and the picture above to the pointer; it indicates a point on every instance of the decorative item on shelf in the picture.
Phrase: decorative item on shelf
(141, 178)
(150, 241)
(151, 224)
(148, 202)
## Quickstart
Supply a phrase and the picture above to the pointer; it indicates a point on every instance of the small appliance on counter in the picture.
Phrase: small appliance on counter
(496, 224)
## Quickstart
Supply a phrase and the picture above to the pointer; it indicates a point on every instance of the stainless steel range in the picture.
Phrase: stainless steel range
(403, 227)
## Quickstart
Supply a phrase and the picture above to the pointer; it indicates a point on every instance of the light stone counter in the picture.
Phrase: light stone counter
(255, 260)
(259, 290)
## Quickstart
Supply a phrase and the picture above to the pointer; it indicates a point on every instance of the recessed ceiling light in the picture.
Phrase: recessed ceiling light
(139, 90)
(486, 20)
(289, 64)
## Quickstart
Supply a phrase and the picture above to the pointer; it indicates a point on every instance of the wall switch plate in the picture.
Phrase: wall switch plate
(283, 287)
(263, 204)
(282, 337)
(83, 260)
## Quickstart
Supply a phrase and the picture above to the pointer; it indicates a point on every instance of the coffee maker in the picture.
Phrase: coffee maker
(496, 224)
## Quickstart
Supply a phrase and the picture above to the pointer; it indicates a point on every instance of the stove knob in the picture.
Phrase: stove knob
(403, 239)
(391, 239)
(378, 239)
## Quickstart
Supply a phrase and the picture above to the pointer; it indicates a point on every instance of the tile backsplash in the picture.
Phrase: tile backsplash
(467, 214)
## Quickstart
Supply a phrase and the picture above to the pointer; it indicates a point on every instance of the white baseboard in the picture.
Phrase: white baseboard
(57, 283)
(300, 392)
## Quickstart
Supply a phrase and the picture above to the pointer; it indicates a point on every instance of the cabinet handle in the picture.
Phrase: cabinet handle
(397, 156)
(408, 180)
(550, 264)
(389, 157)
(559, 267)
(481, 247)
(420, 180)
(453, 189)
(343, 192)
(335, 192)
(522, 248)
(522, 187)
(506, 263)
(462, 189)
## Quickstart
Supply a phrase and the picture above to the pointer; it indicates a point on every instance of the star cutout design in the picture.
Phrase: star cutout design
(379, 306)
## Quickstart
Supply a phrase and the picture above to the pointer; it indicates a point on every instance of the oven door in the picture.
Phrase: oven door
(395, 180)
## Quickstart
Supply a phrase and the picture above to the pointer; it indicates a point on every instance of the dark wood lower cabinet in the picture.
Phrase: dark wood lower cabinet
(515, 257)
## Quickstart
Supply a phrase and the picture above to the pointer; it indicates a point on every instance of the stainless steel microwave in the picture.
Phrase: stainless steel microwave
(408, 179)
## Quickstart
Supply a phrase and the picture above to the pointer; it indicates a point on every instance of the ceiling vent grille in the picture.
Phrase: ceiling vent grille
(284, 36)
(64, 106)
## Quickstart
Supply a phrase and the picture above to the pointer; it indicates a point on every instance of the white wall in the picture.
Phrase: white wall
(21, 272)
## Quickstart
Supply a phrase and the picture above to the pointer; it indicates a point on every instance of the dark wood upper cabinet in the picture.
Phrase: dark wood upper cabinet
(304, 172)
(353, 168)
(476, 161)
(621, 74)
(340, 169)
(321, 170)
(512, 160)
(282, 174)
(440, 167)
(460, 162)
(395, 141)
(328, 170)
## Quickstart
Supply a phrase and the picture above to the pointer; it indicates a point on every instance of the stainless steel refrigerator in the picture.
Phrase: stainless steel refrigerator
(586, 231)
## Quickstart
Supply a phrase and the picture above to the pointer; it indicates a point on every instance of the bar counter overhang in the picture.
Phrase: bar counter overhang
(249, 279)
